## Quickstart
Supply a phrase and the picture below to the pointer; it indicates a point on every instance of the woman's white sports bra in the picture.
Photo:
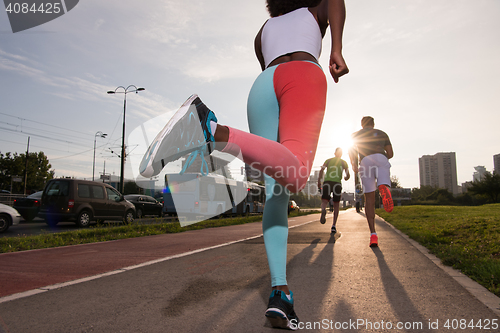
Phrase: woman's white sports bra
(296, 31)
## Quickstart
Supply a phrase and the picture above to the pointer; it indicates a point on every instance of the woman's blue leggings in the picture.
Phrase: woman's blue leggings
(263, 111)
(263, 120)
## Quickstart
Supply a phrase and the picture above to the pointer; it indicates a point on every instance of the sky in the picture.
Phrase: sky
(426, 70)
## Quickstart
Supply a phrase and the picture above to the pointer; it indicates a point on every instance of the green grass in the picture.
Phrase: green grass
(466, 238)
(107, 232)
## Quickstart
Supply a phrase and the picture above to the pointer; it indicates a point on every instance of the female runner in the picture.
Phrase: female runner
(285, 110)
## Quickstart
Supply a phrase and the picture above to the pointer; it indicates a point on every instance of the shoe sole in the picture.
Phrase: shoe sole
(278, 319)
(386, 198)
(151, 165)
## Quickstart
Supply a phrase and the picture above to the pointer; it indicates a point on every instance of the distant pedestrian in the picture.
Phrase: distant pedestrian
(358, 192)
(332, 184)
(374, 150)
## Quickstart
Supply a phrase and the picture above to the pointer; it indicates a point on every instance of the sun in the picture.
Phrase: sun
(340, 136)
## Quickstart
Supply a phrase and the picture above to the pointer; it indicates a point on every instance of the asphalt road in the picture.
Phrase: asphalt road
(217, 280)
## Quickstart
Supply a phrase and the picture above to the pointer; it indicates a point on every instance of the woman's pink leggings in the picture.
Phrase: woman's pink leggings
(285, 108)
(285, 112)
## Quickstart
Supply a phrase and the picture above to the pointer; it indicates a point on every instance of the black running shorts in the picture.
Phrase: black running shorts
(330, 187)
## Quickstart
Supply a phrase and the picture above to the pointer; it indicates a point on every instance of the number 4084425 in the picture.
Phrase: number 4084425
(25, 8)
(485, 324)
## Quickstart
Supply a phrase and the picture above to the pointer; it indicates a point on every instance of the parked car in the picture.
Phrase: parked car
(145, 205)
(83, 201)
(8, 216)
(292, 206)
(28, 207)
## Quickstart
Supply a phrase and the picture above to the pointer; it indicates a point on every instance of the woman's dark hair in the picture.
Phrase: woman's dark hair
(281, 7)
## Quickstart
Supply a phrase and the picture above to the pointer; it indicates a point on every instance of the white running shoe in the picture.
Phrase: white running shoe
(186, 132)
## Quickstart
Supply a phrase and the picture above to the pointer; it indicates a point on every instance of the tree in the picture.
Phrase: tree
(488, 186)
(395, 182)
(420, 194)
(441, 196)
(38, 171)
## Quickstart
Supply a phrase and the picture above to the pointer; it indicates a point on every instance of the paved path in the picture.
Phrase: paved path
(340, 284)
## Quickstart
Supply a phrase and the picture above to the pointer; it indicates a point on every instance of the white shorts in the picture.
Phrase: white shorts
(374, 170)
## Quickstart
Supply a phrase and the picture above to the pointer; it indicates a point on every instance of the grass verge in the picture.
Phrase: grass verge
(466, 238)
(102, 233)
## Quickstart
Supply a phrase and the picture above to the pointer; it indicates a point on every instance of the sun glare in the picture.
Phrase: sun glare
(341, 137)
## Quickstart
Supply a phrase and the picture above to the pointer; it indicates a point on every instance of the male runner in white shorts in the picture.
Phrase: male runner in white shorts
(374, 150)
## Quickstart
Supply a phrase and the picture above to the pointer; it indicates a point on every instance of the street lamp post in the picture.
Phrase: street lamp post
(125, 91)
(102, 135)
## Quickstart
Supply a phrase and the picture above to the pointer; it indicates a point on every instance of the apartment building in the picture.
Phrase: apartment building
(479, 174)
(439, 170)
(496, 163)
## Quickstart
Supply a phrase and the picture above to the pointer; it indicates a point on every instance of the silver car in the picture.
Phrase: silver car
(8, 216)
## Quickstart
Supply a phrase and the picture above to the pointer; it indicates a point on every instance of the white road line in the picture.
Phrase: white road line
(125, 269)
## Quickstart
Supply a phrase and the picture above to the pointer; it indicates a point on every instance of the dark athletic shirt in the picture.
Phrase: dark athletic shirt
(370, 141)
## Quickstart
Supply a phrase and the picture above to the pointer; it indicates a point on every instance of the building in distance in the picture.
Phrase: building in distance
(440, 171)
(496, 164)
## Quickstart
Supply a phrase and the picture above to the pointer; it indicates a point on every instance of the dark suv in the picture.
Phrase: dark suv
(83, 201)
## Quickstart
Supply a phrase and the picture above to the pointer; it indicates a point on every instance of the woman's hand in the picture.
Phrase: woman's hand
(338, 67)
